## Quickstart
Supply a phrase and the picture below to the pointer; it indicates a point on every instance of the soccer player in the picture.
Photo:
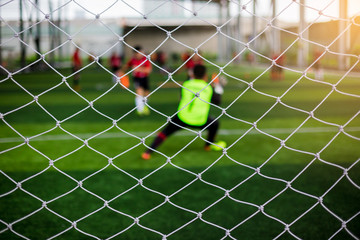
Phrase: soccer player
(76, 65)
(142, 69)
(319, 73)
(190, 64)
(276, 70)
(193, 111)
(115, 62)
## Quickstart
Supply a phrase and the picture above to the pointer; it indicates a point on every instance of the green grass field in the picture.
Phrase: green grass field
(49, 201)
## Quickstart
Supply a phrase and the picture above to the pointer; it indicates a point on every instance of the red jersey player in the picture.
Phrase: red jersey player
(142, 68)
(76, 64)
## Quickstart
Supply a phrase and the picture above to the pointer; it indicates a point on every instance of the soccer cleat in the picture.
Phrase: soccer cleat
(217, 146)
(145, 156)
(146, 111)
(139, 113)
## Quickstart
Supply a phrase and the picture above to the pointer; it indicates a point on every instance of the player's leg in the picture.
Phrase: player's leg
(76, 80)
(171, 128)
(146, 87)
(212, 126)
(139, 103)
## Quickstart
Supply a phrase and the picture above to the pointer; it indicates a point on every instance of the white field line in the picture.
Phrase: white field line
(224, 132)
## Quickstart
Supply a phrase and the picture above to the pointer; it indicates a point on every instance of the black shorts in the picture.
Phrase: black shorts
(176, 124)
(141, 82)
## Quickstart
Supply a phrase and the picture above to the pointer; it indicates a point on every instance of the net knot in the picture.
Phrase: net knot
(197, 94)
(287, 227)
(257, 170)
(51, 163)
(251, 85)
(114, 123)
(227, 232)
(47, 16)
(343, 224)
(311, 114)
(27, 140)
(121, 39)
(91, 104)
(136, 220)
(243, 7)
(144, 16)
(16, 35)
(227, 193)
(261, 208)
(1, 116)
(74, 224)
(18, 185)
(346, 171)
(36, 98)
(106, 204)
(140, 182)
(288, 184)
(167, 198)
(195, 14)
(110, 161)
(44, 204)
(199, 215)
(225, 151)
(341, 128)
(317, 155)
(86, 143)
(97, 16)
(320, 199)
(80, 183)
(199, 176)
(278, 99)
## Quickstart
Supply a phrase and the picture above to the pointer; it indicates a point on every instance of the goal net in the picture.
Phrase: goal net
(75, 120)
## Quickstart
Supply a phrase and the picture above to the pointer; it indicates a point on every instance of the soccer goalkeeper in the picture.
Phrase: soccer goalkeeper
(193, 111)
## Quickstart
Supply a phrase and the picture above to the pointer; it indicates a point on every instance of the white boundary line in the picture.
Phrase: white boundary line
(223, 132)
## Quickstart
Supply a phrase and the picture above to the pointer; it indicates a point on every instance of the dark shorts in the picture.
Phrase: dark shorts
(176, 124)
(142, 83)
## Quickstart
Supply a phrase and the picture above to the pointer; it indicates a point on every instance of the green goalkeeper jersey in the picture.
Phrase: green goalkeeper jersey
(195, 110)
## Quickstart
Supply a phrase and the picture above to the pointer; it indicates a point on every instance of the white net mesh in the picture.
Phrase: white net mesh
(72, 158)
